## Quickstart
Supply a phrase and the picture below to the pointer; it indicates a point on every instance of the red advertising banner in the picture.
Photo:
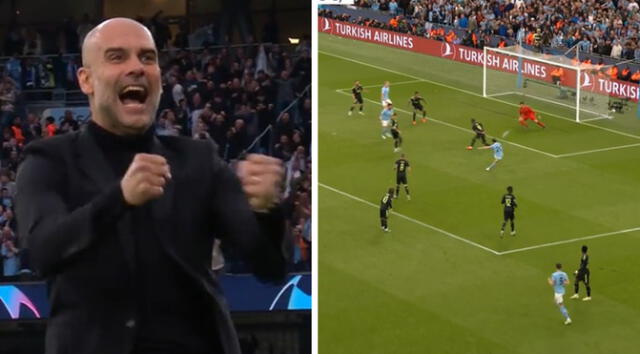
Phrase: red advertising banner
(531, 69)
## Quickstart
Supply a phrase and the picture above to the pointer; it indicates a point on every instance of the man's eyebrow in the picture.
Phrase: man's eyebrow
(121, 50)
(114, 50)
(148, 50)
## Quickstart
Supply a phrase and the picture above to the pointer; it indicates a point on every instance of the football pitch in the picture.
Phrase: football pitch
(443, 280)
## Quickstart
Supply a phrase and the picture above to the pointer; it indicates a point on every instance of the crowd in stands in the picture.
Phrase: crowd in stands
(608, 28)
(228, 94)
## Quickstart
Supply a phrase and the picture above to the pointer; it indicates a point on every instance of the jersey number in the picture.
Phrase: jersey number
(507, 202)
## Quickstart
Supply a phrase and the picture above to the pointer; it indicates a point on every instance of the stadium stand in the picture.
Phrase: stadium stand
(606, 32)
(247, 98)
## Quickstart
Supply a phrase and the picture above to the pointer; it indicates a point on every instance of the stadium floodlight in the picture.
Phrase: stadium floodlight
(546, 82)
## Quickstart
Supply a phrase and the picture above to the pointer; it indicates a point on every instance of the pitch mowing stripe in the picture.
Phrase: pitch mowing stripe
(571, 240)
(461, 128)
(473, 93)
(460, 238)
(446, 233)
(395, 83)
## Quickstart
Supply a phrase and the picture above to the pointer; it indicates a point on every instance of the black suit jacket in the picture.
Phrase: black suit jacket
(77, 226)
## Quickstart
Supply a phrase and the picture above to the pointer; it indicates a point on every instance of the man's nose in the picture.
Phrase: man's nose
(135, 68)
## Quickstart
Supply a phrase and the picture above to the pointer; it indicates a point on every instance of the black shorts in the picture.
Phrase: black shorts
(418, 107)
(509, 215)
(384, 213)
(358, 100)
(583, 276)
(395, 134)
(401, 178)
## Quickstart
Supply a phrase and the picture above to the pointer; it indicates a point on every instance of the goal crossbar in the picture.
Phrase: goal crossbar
(561, 61)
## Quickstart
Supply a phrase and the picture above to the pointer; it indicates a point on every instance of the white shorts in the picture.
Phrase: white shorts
(497, 157)
(558, 298)
(385, 123)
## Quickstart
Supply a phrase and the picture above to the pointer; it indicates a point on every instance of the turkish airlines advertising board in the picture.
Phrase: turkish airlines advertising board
(531, 69)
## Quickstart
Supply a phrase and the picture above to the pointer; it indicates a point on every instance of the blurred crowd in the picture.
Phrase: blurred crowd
(254, 98)
(608, 27)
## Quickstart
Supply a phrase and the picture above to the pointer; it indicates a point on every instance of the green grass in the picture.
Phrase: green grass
(420, 290)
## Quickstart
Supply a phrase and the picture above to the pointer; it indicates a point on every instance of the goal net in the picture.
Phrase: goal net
(550, 83)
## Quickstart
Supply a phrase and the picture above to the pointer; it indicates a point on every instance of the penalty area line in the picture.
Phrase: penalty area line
(470, 92)
(475, 244)
(431, 227)
(598, 150)
(463, 129)
(590, 237)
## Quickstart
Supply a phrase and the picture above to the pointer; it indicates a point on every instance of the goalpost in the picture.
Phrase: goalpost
(514, 74)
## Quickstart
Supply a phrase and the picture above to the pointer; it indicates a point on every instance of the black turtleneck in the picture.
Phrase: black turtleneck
(169, 306)
(119, 150)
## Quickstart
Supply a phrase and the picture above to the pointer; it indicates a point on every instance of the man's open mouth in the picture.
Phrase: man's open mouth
(133, 94)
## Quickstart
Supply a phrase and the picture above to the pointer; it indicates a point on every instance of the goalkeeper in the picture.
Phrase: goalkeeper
(527, 113)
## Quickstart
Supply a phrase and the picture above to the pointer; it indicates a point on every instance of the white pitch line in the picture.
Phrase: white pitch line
(598, 150)
(460, 238)
(570, 240)
(461, 128)
(597, 118)
(446, 233)
(473, 93)
(393, 83)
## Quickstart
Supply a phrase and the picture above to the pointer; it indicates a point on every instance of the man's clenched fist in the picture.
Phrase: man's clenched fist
(261, 177)
(145, 179)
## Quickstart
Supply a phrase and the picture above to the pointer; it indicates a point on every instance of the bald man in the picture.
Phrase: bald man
(121, 222)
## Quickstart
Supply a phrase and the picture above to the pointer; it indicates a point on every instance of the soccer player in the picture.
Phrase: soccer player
(510, 205)
(397, 138)
(416, 101)
(356, 92)
(385, 208)
(385, 120)
(583, 275)
(384, 94)
(402, 167)
(480, 134)
(527, 113)
(559, 280)
(498, 153)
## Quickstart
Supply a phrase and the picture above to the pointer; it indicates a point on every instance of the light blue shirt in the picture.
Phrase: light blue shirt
(386, 114)
(11, 264)
(497, 149)
(393, 7)
(385, 93)
(558, 278)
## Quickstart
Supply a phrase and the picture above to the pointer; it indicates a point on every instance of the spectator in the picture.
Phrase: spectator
(9, 219)
(616, 50)
(69, 120)
(228, 95)
(5, 198)
(51, 128)
(176, 89)
(10, 254)
(166, 124)
(8, 184)
(393, 7)
(285, 92)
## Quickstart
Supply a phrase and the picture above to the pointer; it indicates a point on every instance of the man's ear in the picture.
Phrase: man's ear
(85, 80)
